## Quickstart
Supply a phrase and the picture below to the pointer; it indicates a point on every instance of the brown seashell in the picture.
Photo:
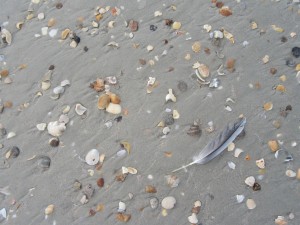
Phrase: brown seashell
(65, 33)
(100, 182)
(268, 106)
(120, 176)
(114, 98)
(196, 209)
(196, 47)
(59, 5)
(203, 70)
(133, 25)
(4, 73)
(230, 64)
(51, 22)
(99, 17)
(219, 4)
(7, 104)
(273, 145)
(142, 61)
(194, 130)
(256, 187)
(103, 101)
(225, 11)
(273, 71)
(150, 189)
(168, 22)
(98, 85)
(123, 217)
(280, 88)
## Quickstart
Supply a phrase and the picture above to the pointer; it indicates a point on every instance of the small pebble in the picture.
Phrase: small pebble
(153, 27)
(44, 162)
(154, 203)
(54, 142)
(296, 52)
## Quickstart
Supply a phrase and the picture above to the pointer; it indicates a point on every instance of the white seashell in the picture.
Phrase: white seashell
(131, 35)
(114, 108)
(250, 203)
(228, 108)
(176, 114)
(237, 152)
(45, 85)
(113, 44)
(290, 173)
(101, 158)
(266, 59)
(44, 30)
(95, 24)
(124, 170)
(56, 128)
(53, 32)
(193, 218)
(7, 35)
(207, 27)
(63, 119)
(166, 130)
(3, 213)
(111, 24)
(35, 1)
(240, 198)
(66, 109)
(231, 147)
(80, 109)
(73, 44)
(92, 157)
(250, 181)
(170, 96)
(41, 126)
(231, 165)
(151, 81)
(260, 163)
(157, 13)
(49, 209)
(58, 90)
(122, 207)
(293, 144)
(10, 135)
(132, 170)
(102, 10)
(121, 153)
(41, 16)
(298, 77)
(150, 48)
(8, 80)
(218, 34)
(168, 202)
(65, 83)
(197, 204)
(280, 220)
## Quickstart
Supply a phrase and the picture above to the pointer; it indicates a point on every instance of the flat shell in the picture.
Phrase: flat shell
(49, 209)
(114, 108)
(250, 181)
(176, 25)
(290, 173)
(103, 101)
(51, 22)
(92, 157)
(196, 47)
(273, 145)
(260, 163)
(203, 70)
(250, 203)
(168, 202)
(268, 106)
(65, 33)
(80, 109)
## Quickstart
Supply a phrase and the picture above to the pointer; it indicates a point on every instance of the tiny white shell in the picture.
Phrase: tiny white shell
(250, 203)
(111, 24)
(231, 147)
(237, 152)
(49, 209)
(7, 36)
(122, 207)
(65, 83)
(80, 109)
(240, 198)
(114, 108)
(231, 165)
(10, 135)
(197, 204)
(41, 16)
(53, 32)
(44, 30)
(157, 13)
(193, 218)
(92, 157)
(176, 114)
(228, 108)
(124, 170)
(56, 128)
(66, 109)
(166, 130)
(58, 90)
(132, 170)
(250, 181)
(150, 48)
(121, 153)
(290, 173)
(207, 27)
(41, 126)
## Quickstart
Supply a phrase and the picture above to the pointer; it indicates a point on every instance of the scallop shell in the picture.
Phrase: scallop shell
(80, 109)
(92, 157)
(65, 33)
(168, 202)
(250, 203)
(268, 106)
(250, 181)
(273, 145)
(114, 98)
(203, 70)
(196, 47)
(7, 36)
(56, 128)
(49, 209)
(103, 101)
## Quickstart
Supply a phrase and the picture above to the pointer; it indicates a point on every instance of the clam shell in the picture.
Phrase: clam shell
(41, 16)
(250, 181)
(250, 203)
(176, 25)
(273, 145)
(132, 170)
(168, 202)
(65, 33)
(203, 70)
(103, 101)
(56, 128)
(114, 98)
(114, 108)
(49, 209)
(268, 106)
(92, 157)
(290, 173)
(80, 109)
(7, 36)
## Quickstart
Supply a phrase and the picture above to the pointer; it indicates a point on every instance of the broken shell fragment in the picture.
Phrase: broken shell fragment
(51, 22)
(260, 163)
(231, 147)
(98, 85)
(150, 48)
(7, 36)
(49, 209)
(65, 33)
(92, 157)
(103, 101)
(41, 126)
(150, 189)
(193, 219)
(203, 70)
(19, 25)
(290, 173)
(176, 114)
(12, 153)
(56, 128)
(123, 217)
(114, 108)
(273, 145)
(225, 11)
(122, 207)
(176, 25)
(132, 170)
(170, 96)
(114, 98)
(207, 27)
(250, 181)
(168, 202)
(80, 109)
(250, 203)
(237, 152)
(196, 47)
(266, 59)
(45, 85)
(194, 130)
(58, 90)
(172, 181)
(280, 220)
(154, 203)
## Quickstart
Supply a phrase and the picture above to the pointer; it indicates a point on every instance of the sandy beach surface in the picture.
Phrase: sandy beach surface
(219, 61)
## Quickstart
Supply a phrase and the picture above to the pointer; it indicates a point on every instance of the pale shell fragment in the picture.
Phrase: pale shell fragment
(10, 135)
(45, 85)
(218, 34)
(95, 24)
(41, 126)
(132, 170)
(41, 16)
(250, 181)
(58, 90)
(176, 25)
(66, 109)
(176, 114)
(240, 198)
(197, 203)
(53, 32)
(280, 220)
(122, 207)
(196, 47)
(166, 130)
(157, 13)
(207, 27)
(73, 44)
(7, 36)
(250, 203)
(228, 108)
(260, 163)
(56, 128)
(80, 109)
(168, 202)
(114, 108)
(150, 48)
(231, 147)
(193, 218)
(111, 24)
(266, 59)
(49, 209)
(44, 30)
(231, 165)
(19, 25)
(124, 170)
(170, 96)
(172, 181)
(65, 83)
(65, 33)
(237, 152)
(92, 157)
(290, 173)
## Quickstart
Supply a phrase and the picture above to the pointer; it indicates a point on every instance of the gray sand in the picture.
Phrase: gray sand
(214, 184)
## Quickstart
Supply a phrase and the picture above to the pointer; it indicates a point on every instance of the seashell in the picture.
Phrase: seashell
(101, 158)
(153, 203)
(98, 85)
(290, 173)
(253, 25)
(99, 17)
(49, 209)
(95, 24)
(8, 80)
(65, 33)
(41, 126)
(77, 185)
(231, 165)
(122, 207)
(100, 182)
(132, 170)
(225, 11)
(56, 128)
(14, 152)
(123, 217)
(124, 170)
(53, 32)
(7, 36)
(170, 96)
(65, 83)
(114, 108)
(58, 90)
(4, 73)
(80, 109)
(73, 44)
(111, 80)
(114, 98)
(193, 219)
(194, 130)
(266, 59)
(63, 119)
(88, 190)
(273, 145)
(207, 27)
(44, 162)
(29, 16)
(168, 202)
(45, 85)
(277, 29)
(133, 25)
(51, 22)
(84, 200)
(256, 187)
(229, 36)
(250, 203)
(268, 106)
(54, 142)
(19, 25)
(237, 152)
(240, 198)
(150, 48)
(196, 47)
(92, 157)
(231, 147)
(260, 163)
(280, 88)
(111, 24)
(176, 114)
(217, 34)
(166, 130)
(282, 78)
(176, 25)
(11, 135)
(41, 16)
(172, 181)
(250, 181)
(203, 70)
(280, 220)
(150, 189)
(66, 109)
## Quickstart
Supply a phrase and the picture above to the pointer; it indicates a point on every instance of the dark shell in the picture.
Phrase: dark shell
(51, 67)
(59, 5)
(194, 130)
(100, 182)
(153, 27)
(85, 48)
(54, 142)
(283, 39)
(182, 86)
(288, 108)
(14, 152)
(168, 22)
(168, 119)
(3, 131)
(256, 187)
(296, 52)
(44, 162)
(88, 190)
(290, 62)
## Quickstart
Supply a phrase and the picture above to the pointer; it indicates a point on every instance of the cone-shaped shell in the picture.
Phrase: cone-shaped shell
(103, 101)
(92, 157)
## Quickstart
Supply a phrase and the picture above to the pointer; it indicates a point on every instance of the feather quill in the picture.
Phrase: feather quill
(218, 144)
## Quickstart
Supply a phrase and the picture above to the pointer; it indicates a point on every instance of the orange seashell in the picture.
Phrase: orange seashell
(225, 11)
(100, 182)
(230, 64)
(65, 34)
(280, 88)
(8, 104)
(4, 73)
(273, 145)
(123, 217)
(247, 157)
(99, 17)
(51, 22)
(103, 101)
(268, 106)
(150, 189)
(114, 98)
(219, 4)
(98, 85)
